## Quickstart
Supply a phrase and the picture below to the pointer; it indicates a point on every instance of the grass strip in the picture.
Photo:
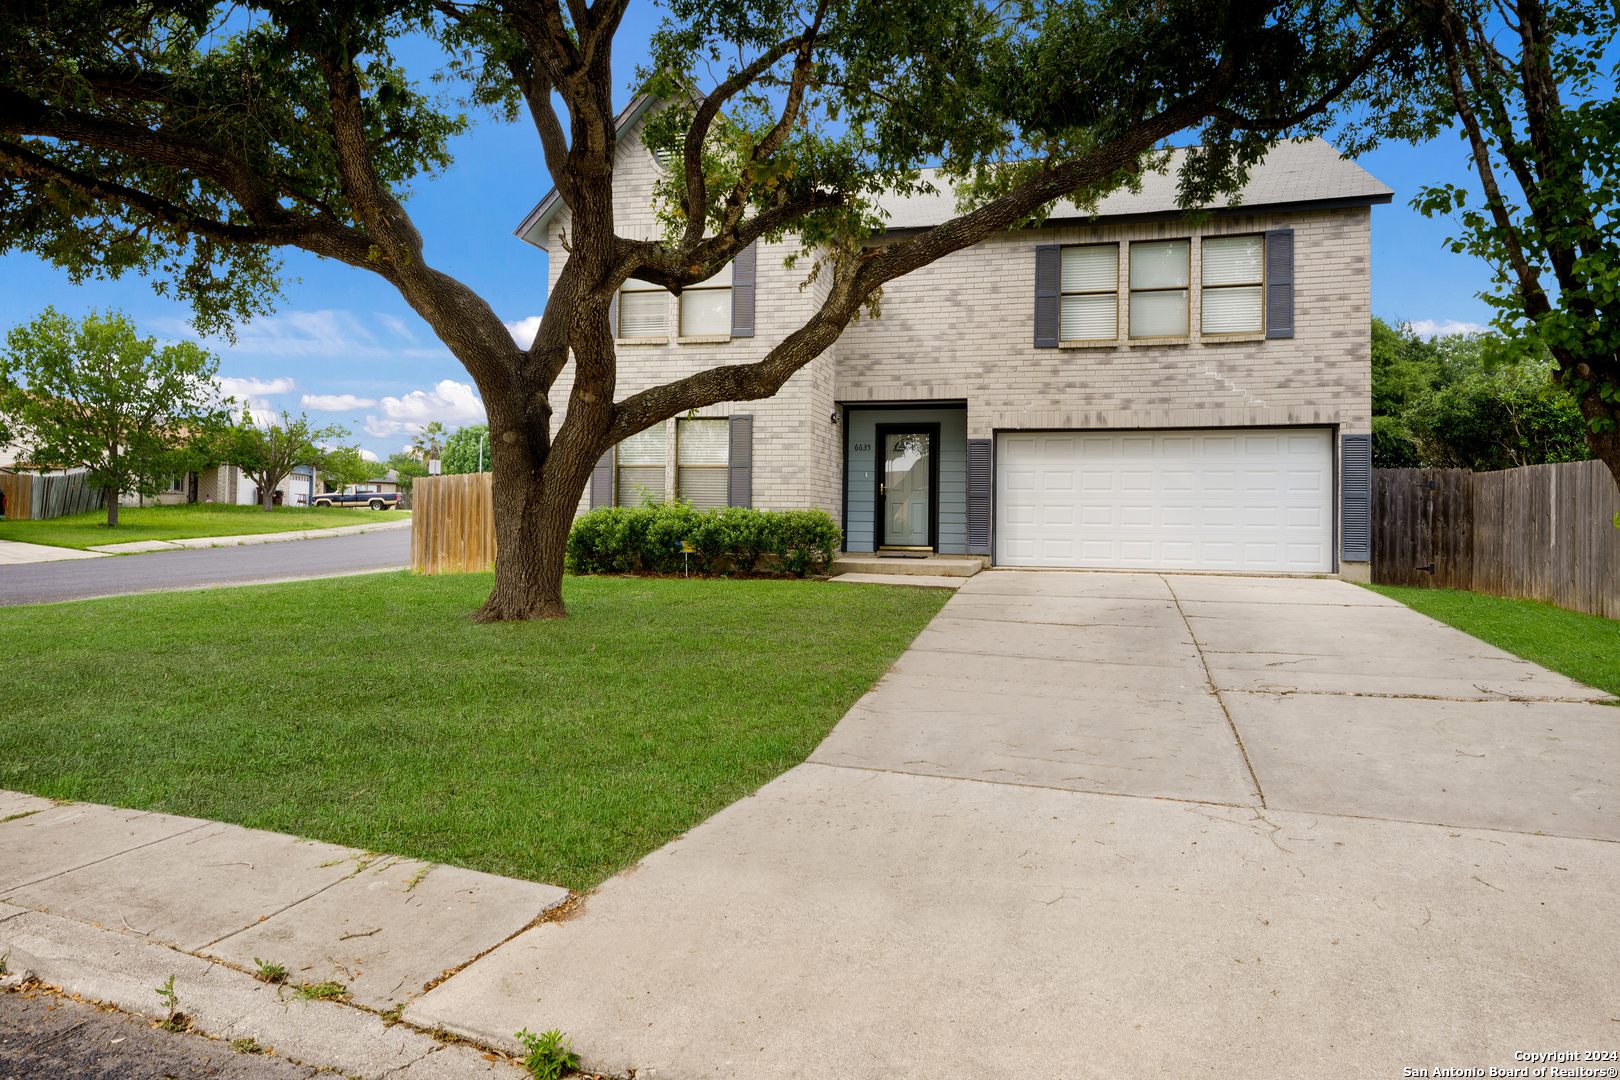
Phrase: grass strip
(183, 522)
(1584, 647)
(372, 712)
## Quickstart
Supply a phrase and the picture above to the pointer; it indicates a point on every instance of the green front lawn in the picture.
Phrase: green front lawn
(181, 523)
(371, 711)
(1584, 647)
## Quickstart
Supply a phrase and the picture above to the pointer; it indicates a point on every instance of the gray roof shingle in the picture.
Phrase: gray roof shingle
(1292, 174)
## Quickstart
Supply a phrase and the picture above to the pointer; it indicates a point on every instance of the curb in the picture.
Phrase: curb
(124, 971)
(141, 547)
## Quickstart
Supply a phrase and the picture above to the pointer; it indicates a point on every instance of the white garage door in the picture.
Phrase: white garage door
(1224, 499)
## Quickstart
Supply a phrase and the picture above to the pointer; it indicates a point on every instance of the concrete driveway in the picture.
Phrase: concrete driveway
(1099, 825)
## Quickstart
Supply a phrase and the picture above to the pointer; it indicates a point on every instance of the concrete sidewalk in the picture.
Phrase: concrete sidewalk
(16, 553)
(1098, 825)
(108, 903)
(142, 547)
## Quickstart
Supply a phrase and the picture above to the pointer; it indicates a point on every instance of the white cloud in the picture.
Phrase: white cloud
(1428, 328)
(451, 403)
(249, 389)
(368, 455)
(397, 325)
(523, 330)
(337, 402)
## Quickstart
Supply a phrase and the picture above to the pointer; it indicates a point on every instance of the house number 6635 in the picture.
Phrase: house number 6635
(863, 447)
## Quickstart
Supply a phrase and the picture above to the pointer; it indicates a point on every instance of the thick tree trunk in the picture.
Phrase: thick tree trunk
(1604, 445)
(534, 511)
(112, 507)
(266, 497)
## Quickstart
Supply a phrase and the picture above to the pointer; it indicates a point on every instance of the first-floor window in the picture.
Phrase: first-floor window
(1233, 285)
(706, 308)
(643, 310)
(1160, 273)
(702, 453)
(641, 468)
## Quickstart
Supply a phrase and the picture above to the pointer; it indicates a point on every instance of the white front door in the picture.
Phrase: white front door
(1241, 499)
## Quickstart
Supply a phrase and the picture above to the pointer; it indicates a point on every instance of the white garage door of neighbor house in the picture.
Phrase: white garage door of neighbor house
(1242, 499)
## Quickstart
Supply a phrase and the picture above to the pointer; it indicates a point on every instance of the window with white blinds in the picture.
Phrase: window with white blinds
(702, 458)
(1089, 303)
(1233, 286)
(1160, 275)
(706, 308)
(643, 310)
(641, 460)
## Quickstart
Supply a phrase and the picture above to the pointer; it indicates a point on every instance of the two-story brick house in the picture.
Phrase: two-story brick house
(1124, 390)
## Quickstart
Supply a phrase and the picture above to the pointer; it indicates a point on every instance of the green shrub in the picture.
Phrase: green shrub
(648, 539)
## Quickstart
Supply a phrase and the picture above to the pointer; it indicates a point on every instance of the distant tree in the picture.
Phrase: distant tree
(344, 465)
(407, 468)
(268, 453)
(1497, 419)
(96, 396)
(467, 451)
(429, 443)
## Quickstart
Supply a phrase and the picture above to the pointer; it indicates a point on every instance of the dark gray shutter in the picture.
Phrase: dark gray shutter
(1280, 283)
(742, 291)
(1048, 275)
(613, 316)
(1355, 483)
(978, 497)
(740, 491)
(602, 481)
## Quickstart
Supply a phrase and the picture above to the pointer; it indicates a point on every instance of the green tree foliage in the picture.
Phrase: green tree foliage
(407, 468)
(141, 136)
(268, 452)
(1529, 84)
(1405, 366)
(1497, 419)
(93, 394)
(343, 466)
(428, 445)
(467, 450)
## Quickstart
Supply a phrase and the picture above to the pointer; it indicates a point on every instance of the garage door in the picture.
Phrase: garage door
(1248, 499)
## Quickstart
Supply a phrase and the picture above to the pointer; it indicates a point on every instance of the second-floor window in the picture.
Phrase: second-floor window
(1160, 276)
(1233, 286)
(1089, 304)
(643, 310)
(706, 308)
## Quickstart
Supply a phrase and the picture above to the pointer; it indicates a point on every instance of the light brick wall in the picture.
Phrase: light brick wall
(797, 450)
(962, 329)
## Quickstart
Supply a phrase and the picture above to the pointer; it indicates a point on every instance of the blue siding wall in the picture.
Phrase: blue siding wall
(860, 477)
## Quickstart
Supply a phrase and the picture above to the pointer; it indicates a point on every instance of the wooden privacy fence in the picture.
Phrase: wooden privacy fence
(452, 524)
(1544, 532)
(36, 498)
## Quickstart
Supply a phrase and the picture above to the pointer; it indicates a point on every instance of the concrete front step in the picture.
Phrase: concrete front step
(933, 566)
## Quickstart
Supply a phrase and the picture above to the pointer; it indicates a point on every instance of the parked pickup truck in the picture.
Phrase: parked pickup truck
(377, 500)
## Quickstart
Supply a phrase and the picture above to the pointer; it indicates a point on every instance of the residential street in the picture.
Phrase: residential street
(293, 560)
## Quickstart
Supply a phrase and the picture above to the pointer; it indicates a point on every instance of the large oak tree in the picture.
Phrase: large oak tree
(133, 136)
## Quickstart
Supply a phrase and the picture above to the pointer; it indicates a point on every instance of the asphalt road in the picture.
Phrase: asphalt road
(43, 1037)
(161, 571)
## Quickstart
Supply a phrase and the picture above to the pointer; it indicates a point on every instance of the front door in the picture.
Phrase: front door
(908, 486)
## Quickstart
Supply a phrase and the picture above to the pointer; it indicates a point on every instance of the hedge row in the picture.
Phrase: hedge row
(649, 538)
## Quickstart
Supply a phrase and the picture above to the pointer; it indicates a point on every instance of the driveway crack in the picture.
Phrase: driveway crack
(1209, 679)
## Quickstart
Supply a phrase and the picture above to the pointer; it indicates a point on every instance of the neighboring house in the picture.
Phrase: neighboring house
(1124, 391)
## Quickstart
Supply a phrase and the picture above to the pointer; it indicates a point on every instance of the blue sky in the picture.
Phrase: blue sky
(345, 348)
